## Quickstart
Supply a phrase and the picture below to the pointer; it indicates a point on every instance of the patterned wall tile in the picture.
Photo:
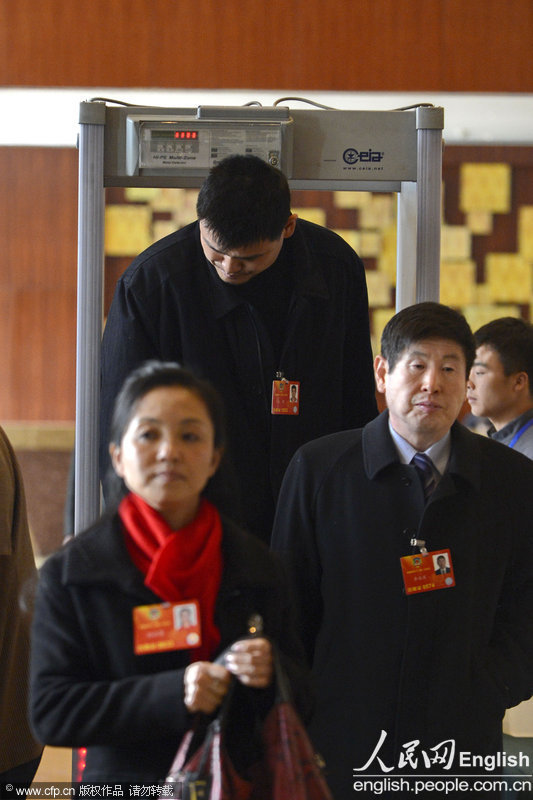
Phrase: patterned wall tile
(486, 243)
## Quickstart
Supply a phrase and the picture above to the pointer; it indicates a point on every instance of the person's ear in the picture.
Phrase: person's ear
(115, 453)
(290, 226)
(381, 369)
(521, 382)
(215, 461)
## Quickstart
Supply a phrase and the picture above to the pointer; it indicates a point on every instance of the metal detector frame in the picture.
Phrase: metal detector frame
(321, 139)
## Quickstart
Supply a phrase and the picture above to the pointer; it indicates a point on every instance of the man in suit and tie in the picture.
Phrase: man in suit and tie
(413, 673)
(442, 568)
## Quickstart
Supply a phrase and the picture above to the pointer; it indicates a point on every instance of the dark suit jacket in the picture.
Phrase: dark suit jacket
(389, 662)
(88, 688)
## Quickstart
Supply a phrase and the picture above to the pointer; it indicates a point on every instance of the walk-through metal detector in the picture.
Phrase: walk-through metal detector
(318, 148)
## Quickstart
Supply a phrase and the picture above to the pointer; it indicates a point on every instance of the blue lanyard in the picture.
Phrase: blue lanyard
(519, 433)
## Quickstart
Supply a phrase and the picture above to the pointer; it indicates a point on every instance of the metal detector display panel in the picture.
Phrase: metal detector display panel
(194, 146)
(329, 149)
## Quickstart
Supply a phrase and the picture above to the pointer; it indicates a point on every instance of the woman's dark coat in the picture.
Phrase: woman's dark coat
(87, 686)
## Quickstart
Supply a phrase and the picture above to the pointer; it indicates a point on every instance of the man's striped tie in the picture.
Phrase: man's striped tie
(424, 466)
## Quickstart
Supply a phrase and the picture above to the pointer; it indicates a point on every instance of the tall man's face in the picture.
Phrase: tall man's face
(425, 391)
(240, 265)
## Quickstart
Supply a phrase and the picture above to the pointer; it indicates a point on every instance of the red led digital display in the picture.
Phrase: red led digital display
(185, 134)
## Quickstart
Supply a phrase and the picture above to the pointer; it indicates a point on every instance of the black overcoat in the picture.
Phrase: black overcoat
(171, 305)
(89, 689)
(440, 665)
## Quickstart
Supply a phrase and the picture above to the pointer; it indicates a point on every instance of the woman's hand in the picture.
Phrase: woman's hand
(250, 660)
(206, 684)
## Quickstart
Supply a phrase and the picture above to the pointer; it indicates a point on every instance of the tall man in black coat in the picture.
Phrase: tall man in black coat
(414, 669)
(246, 296)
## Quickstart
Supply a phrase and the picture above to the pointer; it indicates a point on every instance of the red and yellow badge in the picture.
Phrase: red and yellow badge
(426, 572)
(166, 626)
(285, 397)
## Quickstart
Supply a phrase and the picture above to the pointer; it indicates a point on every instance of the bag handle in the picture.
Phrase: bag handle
(283, 687)
(255, 627)
(197, 735)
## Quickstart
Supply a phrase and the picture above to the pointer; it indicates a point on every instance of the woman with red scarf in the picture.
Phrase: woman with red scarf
(114, 670)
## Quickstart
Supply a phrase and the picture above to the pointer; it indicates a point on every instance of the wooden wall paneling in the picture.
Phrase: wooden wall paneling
(38, 231)
(39, 368)
(361, 45)
(38, 214)
(392, 45)
(7, 328)
(38, 264)
(485, 45)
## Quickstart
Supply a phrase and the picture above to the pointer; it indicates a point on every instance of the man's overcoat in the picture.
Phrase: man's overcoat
(171, 305)
(426, 668)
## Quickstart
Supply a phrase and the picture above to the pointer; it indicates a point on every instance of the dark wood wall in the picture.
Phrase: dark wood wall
(435, 45)
(305, 45)
(38, 263)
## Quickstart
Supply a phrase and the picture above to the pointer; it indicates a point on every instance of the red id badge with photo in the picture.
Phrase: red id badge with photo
(285, 397)
(161, 627)
(426, 572)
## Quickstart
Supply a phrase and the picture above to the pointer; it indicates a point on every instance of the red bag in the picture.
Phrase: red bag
(288, 769)
(209, 773)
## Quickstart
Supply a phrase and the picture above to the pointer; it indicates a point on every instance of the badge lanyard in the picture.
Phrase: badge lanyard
(519, 433)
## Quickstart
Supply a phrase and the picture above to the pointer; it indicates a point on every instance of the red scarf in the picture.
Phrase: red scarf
(178, 565)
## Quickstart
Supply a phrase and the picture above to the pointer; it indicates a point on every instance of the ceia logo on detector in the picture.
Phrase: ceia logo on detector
(352, 156)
